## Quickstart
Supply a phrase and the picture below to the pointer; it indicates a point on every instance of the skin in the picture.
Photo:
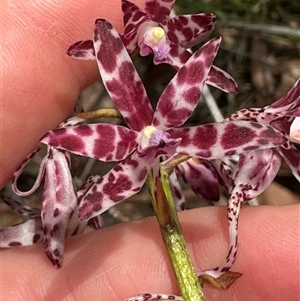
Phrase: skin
(39, 87)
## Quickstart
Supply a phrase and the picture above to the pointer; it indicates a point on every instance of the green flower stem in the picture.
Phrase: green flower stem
(163, 203)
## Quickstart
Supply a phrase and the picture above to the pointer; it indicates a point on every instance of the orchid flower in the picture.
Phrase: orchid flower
(59, 202)
(153, 31)
(58, 217)
(256, 169)
(31, 230)
(245, 179)
(280, 115)
(151, 134)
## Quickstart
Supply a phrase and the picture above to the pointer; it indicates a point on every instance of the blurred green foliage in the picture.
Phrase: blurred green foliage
(263, 11)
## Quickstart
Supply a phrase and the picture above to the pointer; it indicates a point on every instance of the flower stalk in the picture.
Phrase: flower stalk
(163, 203)
(100, 113)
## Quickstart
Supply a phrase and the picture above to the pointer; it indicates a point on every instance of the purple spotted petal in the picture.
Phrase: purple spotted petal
(120, 77)
(278, 112)
(216, 140)
(289, 100)
(159, 10)
(90, 181)
(189, 30)
(123, 181)
(178, 56)
(220, 79)
(77, 226)
(105, 142)
(181, 96)
(133, 19)
(83, 50)
(292, 158)
(201, 177)
(25, 234)
(155, 297)
(225, 168)
(216, 77)
(20, 170)
(59, 202)
(21, 208)
(254, 173)
(294, 112)
(234, 205)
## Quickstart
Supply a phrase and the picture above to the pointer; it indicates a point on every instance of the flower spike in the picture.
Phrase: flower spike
(153, 135)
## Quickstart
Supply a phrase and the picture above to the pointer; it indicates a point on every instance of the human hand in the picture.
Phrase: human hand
(40, 86)
(129, 259)
(40, 83)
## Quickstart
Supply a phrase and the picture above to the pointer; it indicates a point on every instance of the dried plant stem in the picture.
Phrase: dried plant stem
(163, 203)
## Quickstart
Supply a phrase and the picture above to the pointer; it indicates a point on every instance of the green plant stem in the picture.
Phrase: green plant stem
(163, 203)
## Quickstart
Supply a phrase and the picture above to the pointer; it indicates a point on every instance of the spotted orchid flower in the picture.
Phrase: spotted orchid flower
(151, 134)
(58, 217)
(256, 169)
(59, 202)
(31, 230)
(153, 31)
(245, 179)
(283, 114)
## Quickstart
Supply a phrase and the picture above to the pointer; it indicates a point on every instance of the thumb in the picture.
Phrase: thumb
(40, 82)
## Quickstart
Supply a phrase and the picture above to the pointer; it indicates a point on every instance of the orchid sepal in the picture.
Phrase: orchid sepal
(214, 141)
(182, 94)
(24, 234)
(105, 142)
(124, 180)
